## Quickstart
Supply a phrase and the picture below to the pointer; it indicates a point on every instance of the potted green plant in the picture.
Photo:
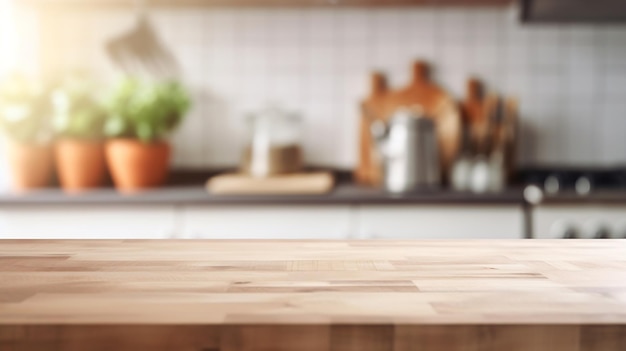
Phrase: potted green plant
(142, 114)
(79, 119)
(25, 117)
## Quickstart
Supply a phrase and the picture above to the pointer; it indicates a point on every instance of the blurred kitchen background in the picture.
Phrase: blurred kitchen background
(565, 79)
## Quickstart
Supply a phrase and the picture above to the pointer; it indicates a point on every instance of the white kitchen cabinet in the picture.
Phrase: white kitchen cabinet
(87, 222)
(261, 222)
(440, 222)
(584, 220)
(268, 222)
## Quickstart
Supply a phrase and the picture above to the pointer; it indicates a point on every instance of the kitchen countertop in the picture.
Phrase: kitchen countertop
(498, 295)
(343, 194)
(602, 196)
(197, 195)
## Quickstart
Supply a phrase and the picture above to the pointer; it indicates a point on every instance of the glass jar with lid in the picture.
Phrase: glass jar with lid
(274, 143)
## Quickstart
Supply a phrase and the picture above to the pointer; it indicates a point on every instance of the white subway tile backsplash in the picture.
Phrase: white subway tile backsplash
(192, 61)
(453, 54)
(454, 25)
(582, 86)
(488, 55)
(419, 24)
(386, 25)
(287, 59)
(320, 61)
(615, 86)
(355, 29)
(385, 56)
(569, 79)
(581, 58)
(253, 29)
(613, 55)
(612, 128)
(614, 35)
(253, 60)
(547, 56)
(353, 60)
(550, 34)
(355, 88)
(320, 27)
(550, 136)
(287, 88)
(398, 75)
(516, 56)
(191, 154)
(517, 84)
(548, 86)
(582, 122)
(222, 28)
(583, 35)
(487, 26)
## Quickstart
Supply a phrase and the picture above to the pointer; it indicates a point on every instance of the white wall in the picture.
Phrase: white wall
(571, 80)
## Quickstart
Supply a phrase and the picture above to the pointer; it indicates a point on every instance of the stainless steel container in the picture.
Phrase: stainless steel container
(408, 147)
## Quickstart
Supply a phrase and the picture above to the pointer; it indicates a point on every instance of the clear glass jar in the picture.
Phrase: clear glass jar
(274, 145)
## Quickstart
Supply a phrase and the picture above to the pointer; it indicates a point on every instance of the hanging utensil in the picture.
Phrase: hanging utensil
(140, 50)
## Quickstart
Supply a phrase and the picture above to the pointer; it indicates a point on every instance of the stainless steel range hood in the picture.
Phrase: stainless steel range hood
(582, 11)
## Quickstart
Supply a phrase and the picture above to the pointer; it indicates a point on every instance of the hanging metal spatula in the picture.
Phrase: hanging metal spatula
(140, 51)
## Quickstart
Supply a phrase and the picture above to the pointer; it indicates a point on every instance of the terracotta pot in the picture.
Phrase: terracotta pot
(32, 165)
(81, 164)
(136, 165)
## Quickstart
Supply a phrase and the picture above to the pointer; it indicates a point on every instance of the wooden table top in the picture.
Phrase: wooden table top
(313, 282)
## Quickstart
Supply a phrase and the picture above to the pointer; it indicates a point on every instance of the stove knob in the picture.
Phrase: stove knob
(583, 185)
(564, 230)
(552, 184)
(533, 194)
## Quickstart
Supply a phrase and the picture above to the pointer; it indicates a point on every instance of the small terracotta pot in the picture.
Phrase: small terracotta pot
(136, 165)
(32, 165)
(81, 164)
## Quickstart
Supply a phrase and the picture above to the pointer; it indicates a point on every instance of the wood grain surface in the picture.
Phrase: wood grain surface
(294, 184)
(313, 295)
(369, 168)
(261, 3)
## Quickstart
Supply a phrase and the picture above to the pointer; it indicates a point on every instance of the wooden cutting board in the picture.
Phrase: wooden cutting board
(369, 170)
(291, 184)
(382, 103)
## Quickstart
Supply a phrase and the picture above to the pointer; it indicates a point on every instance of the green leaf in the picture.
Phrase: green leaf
(115, 126)
(25, 110)
(145, 132)
(77, 111)
(150, 110)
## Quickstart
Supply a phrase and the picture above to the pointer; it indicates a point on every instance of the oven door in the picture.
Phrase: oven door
(584, 221)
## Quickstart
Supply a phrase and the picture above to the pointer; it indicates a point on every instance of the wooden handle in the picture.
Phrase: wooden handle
(421, 71)
(475, 90)
(378, 84)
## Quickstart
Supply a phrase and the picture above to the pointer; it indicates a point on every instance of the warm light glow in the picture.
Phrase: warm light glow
(8, 37)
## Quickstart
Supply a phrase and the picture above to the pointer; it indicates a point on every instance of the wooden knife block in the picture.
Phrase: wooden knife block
(383, 102)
